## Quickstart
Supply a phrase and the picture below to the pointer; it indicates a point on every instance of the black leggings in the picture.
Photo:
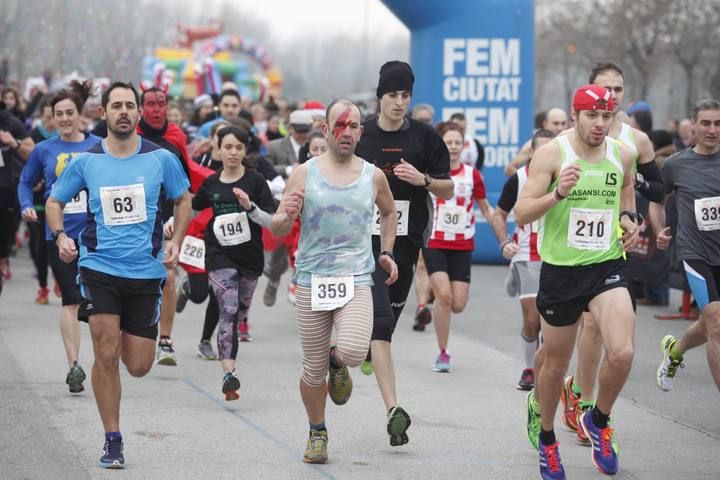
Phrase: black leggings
(198, 290)
(38, 248)
(9, 219)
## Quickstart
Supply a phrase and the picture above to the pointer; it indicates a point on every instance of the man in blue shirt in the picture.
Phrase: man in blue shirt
(229, 106)
(121, 264)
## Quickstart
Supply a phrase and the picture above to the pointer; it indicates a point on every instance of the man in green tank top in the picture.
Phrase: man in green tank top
(580, 186)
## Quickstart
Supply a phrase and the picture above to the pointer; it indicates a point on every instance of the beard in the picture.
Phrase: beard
(120, 133)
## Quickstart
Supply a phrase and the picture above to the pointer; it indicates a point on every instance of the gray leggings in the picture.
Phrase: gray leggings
(234, 293)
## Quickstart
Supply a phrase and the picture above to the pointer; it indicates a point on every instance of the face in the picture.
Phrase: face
(343, 130)
(121, 113)
(230, 107)
(614, 82)
(423, 115)
(592, 125)
(707, 129)
(300, 137)
(462, 123)
(685, 130)
(205, 110)
(318, 146)
(215, 136)
(394, 105)
(155, 109)
(454, 142)
(66, 117)
(556, 121)
(273, 124)
(232, 151)
(9, 100)
(174, 115)
(258, 113)
(47, 118)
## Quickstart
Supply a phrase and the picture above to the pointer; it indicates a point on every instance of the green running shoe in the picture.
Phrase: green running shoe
(367, 367)
(316, 451)
(533, 420)
(340, 384)
(665, 376)
(398, 423)
(75, 378)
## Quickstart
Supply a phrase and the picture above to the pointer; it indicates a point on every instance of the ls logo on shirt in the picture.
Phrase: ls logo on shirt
(63, 160)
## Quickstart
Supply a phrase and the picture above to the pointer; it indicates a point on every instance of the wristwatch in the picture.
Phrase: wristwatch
(57, 233)
(387, 253)
(428, 180)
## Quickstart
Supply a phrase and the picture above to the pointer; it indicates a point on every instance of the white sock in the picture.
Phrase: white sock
(529, 346)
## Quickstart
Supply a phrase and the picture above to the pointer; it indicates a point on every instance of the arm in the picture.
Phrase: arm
(630, 228)
(520, 159)
(508, 247)
(29, 177)
(388, 224)
(291, 203)
(648, 179)
(480, 195)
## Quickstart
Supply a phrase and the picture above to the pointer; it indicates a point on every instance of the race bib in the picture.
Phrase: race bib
(707, 213)
(232, 229)
(78, 204)
(403, 210)
(123, 205)
(451, 219)
(329, 293)
(192, 252)
(590, 228)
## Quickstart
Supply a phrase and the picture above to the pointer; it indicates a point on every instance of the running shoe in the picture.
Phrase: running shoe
(42, 296)
(527, 380)
(166, 354)
(569, 402)
(533, 420)
(668, 366)
(398, 422)
(112, 454)
(551, 467)
(366, 367)
(582, 408)
(182, 291)
(316, 450)
(604, 456)
(340, 384)
(244, 332)
(292, 288)
(230, 386)
(270, 294)
(75, 378)
(205, 351)
(442, 364)
(423, 316)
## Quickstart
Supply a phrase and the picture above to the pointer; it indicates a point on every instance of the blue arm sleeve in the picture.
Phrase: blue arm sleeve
(31, 174)
(71, 181)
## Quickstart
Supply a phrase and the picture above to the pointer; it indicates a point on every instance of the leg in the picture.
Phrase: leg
(167, 309)
(212, 316)
(70, 332)
(711, 318)
(105, 332)
(224, 283)
(695, 336)
(589, 354)
(353, 327)
(137, 353)
(276, 264)
(443, 305)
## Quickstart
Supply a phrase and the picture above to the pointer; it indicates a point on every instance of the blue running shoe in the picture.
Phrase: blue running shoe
(112, 456)
(604, 454)
(551, 467)
(442, 364)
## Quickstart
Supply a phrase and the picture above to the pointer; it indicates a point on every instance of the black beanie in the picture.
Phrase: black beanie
(394, 76)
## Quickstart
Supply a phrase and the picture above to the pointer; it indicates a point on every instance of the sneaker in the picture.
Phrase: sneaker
(527, 380)
(112, 454)
(291, 292)
(340, 384)
(569, 403)
(166, 354)
(230, 386)
(316, 450)
(603, 452)
(665, 376)
(182, 292)
(42, 296)
(205, 351)
(270, 294)
(551, 467)
(442, 364)
(398, 422)
(533, 421)
(582, 408)
(423, 316)
(244, 332)
(75, 378)
(366, 367)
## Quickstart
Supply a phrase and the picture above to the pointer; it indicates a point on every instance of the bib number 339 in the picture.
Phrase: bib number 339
(329, 293)
(123, 205)
(707, 213)
(590, 228)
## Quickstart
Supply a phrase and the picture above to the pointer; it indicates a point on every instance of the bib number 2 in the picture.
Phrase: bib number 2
(403, 210)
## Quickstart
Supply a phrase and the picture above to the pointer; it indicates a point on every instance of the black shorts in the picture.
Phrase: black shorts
(565, 292)
(136, 301)
(704, 281)
(456, 263)
(65, 274)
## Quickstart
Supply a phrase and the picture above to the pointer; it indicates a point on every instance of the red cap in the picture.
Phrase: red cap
(593, 97)
(314, 105)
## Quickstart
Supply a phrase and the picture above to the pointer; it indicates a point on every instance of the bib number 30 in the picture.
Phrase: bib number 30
(329, 293)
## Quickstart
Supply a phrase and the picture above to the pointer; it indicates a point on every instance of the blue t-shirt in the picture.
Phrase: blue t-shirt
(48, 160)
(124, 234)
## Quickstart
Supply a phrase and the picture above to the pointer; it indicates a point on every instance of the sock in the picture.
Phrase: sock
(599, 419)
(110, 436)
(318, 427)
(333, 362)
(547, 437)
(575, 388)
(675, 354)
(529, 346)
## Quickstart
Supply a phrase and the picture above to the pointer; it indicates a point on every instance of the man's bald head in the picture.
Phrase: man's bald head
(556, 120)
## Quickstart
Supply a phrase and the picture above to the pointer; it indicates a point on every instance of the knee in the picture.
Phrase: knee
(554, 365)
(458, 305)
(107, 357)
(313, 377)
(621, 357)
(443, 297)
(349, 355)
(711, 317)
(137, 370)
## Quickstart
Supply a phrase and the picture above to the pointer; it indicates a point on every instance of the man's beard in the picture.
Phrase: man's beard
(121, 135)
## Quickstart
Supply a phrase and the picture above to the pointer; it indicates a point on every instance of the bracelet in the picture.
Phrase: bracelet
(56, 234)
(505, 244)
(557, 196)
(387, 253)
(634, 216)
(253, 207)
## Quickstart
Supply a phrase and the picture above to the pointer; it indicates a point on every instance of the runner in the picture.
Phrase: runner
(122, 265)
(333, 196)
(416, 161)
(240, 200)
(522, 252)
(448, 255)
(581, 186)
(692, 176)
(47, 161)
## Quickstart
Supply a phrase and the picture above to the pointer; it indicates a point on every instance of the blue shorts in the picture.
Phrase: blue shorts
(704, 281)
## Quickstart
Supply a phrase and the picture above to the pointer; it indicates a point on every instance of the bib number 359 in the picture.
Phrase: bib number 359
(329, 293)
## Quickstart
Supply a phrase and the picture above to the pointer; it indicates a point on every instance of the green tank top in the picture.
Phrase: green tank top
(583, 229)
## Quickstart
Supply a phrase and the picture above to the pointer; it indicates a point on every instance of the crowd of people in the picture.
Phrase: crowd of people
(153, 202)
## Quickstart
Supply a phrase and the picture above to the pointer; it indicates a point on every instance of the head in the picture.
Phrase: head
(67, 106)
(273, 123)
(10, 97)
(317, 143)
(423, 112)
(229, 104)
(119, 107)
(232, 144)
(685, 131)
(672, 126)
(203, 106)
(454, 137)
(592, 113)
(556, 120)
(540, 138)
(610, 76)
(301, 123)
(213, 135)
(154, 104)
(459, 119)
(343, 128)
(394, 90)
(706, 124)
(642, 120)
(46, 115)
(175, 114)
(539, 121)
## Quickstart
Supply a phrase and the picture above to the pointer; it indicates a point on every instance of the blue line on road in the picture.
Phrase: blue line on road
(259, 429)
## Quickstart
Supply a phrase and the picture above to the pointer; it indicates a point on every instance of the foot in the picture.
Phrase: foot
(230, 386)
(340, 384)
(182, 291)
(316, 450)
(112, 454)
(366, 367)
(423, 316)
(75, 378)
(244, 332)
(604, 456)
(569, 403)
(527, 380)
(42, 296)
(582, 408)
(442, 363)
(533, 420)
(668, 368)
(551, 467)
(398, 422)
(270, 294)
(166, 353)
(205, 351)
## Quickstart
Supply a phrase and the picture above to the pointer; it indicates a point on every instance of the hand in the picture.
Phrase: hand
(169, 228)
(66, 248)
(30, 215)
(8, 139)
(172, 251)
(631, 237)
(389, 265)
(664, 238)
(407, 173)
(242, 198)
(510, 250)
(569, 177)
(293, 204)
